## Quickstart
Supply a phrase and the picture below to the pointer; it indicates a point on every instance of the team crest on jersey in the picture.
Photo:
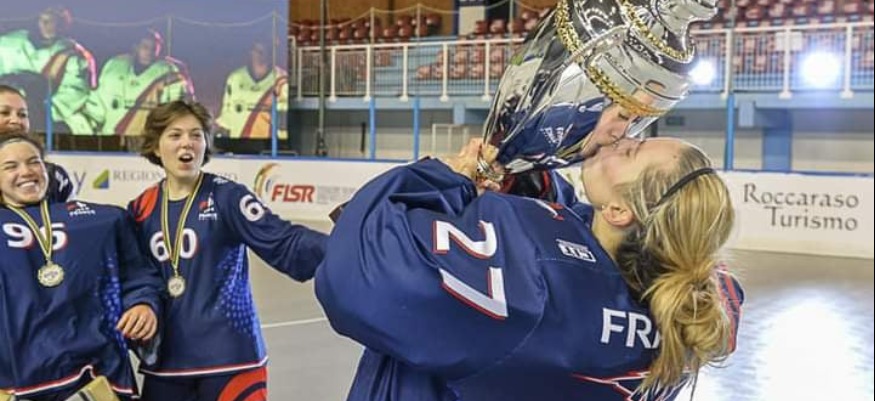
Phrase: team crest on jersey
(576, 251)
(77, 208)
(555, 135)
(207, 209)
(627, 385)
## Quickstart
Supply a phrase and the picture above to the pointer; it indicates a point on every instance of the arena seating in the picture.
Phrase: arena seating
(758, 51)
(386, 29)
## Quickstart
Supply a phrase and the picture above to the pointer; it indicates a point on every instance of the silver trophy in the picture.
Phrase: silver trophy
(584, 57)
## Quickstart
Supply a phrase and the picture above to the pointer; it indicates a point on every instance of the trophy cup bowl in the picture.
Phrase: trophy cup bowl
(585, 60)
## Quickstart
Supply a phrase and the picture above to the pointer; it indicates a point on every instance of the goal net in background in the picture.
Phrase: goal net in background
(444, 139)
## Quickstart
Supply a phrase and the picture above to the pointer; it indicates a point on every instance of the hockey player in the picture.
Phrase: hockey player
(249, 93)
(198, 226)
(74, 286)
(500, 297)
(67, 65)
(131, 85)
(14, 117)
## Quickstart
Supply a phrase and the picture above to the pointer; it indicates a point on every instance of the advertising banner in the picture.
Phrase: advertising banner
(822, 215)
(307, 189)
(295, 189)
(798, 213)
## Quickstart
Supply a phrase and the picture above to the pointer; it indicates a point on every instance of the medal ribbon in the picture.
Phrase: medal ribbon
(180, 226)
(45, 242)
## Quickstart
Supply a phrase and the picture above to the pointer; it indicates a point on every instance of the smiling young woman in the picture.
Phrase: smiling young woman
(62, 263)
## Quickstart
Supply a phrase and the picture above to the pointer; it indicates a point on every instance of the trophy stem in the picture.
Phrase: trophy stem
(486, 172)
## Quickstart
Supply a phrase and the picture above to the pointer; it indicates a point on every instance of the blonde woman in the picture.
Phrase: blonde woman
(499, 297)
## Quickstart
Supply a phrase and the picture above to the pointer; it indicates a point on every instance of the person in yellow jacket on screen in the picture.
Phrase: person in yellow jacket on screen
(249, 94)
(132, 84)
(30, 59)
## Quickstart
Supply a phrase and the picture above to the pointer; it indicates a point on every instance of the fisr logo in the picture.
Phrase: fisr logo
(292, 193)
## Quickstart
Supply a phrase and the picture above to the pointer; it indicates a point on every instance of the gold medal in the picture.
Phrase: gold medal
(176, 286)
(176, 283)
(50, 275)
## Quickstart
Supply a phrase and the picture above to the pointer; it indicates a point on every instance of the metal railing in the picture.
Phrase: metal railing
(764, 59)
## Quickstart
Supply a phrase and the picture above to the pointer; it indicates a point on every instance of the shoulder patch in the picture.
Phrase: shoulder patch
(79, 208)
(145, 203)
(574, 250)
(218, 180)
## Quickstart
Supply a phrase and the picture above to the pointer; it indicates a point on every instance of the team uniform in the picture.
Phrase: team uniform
(56, 339)
(559, 130)
(67, 65)
(127, 95)
(246, 104)
(496, 297)
(60, 186)
(216, 311)
(546, 185)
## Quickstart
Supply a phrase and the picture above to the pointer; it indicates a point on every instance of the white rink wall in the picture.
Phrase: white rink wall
(782, 212)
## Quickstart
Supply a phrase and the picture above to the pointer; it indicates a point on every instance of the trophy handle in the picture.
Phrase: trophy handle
(486, 172)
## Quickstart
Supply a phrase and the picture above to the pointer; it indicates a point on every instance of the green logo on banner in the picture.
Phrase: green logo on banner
(102, 180)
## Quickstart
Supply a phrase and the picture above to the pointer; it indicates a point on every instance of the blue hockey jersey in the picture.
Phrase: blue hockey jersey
(51, 337)
(546, 185)
(496, 297)
(216, 312)
(60, 186)
(540, 141)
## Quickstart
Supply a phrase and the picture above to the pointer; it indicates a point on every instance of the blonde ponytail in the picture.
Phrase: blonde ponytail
(669, 260)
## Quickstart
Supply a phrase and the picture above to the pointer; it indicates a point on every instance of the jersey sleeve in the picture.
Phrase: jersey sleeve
(293, 249)
(565, 192)
(421, 269)
(140, 277)
(63, 189)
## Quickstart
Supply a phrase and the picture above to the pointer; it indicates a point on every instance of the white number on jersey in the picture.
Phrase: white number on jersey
(20, 236)
(160, 252)
(492, 304)
(251, 208)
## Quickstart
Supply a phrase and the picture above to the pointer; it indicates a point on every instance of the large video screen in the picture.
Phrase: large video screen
(97, 68)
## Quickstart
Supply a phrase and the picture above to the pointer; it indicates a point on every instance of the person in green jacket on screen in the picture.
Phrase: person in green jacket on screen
(249, 93)
(132, 84)
(30, 59)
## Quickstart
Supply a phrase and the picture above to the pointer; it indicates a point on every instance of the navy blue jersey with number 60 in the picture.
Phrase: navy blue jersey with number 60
(212, 327)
